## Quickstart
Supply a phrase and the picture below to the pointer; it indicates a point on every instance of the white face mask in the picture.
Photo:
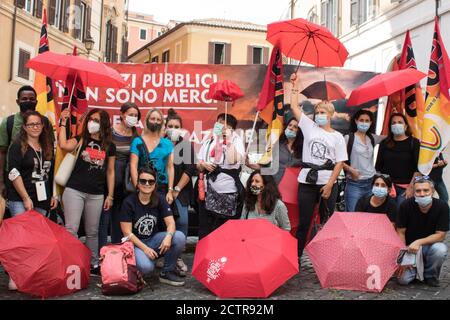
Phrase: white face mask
(131, 121)
(93, 127)
(174, 134)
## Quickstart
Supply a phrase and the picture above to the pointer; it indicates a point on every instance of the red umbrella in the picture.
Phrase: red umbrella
(355, 251)
(225, 90)
(41, 257)
(245, 258)
(324, 90)
(92, 73)
(288, 187)
(384, 84)
(308, 42)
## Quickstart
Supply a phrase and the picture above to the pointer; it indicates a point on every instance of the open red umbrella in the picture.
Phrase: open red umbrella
(384, 84)
(324, 90)
(288, 187)
(245, 258)
(41, 257)
(308, 42)
(225, 90)
(355, 251)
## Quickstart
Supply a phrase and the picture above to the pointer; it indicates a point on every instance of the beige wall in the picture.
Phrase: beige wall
(134, 27)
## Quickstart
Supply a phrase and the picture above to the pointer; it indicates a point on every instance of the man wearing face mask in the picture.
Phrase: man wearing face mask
(423, 221)
(10, 126)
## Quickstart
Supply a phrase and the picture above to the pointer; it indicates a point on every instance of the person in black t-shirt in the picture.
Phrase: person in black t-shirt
(91, 177)
(423, 221)
(142, 213)
(30, 168)
(379, 201)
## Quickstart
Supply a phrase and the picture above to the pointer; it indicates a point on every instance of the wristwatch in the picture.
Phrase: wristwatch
(177, 189)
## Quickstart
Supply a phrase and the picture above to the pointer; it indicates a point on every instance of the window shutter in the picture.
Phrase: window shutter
(249, 55)
(20, 4)
(65, 16)
(108, 41)
(38, 8)
(114, 44)
(227, 53)
(87, 23)
(211, 53)
(23, 71)
(266, 55)
(52, 12)
(76, 32)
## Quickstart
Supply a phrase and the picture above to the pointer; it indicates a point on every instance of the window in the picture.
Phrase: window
(328, 15)
(155, 59)
(219, 53)
(361, 11)
(166, 56)
(111, 42)
(257, 55)
(312, 15)
(23, 71)
(80, 22)
(143, 34)
(29, 6)
(54, 12)
(22, 53)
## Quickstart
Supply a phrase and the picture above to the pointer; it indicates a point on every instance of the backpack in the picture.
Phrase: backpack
(120, 275)
(351, 140)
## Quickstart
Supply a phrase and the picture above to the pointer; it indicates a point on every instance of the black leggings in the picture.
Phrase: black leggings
(308, 197)
(207, 220)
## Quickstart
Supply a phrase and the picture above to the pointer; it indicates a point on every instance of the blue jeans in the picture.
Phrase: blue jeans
(110, 220)
(355, 190)
(147, 265)
(441, 190)
(182, 221)
(16, 208)
(433, 258)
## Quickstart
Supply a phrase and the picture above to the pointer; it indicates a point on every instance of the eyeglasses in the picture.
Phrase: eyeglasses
(149, 182)
(34, 125)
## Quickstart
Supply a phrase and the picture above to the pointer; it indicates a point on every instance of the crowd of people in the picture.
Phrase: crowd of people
(141, 186)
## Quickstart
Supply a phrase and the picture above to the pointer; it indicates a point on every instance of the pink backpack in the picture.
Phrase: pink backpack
(120, 276)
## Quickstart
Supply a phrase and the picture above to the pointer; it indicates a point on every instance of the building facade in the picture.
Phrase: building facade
(208, 41)
(100, 23)
(142, 29)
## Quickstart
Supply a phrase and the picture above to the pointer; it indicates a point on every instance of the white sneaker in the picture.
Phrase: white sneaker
(181, 265)
(12, 285)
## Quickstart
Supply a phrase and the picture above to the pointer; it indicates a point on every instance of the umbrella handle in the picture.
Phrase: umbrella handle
(253, 130)
(303, 53)
(73, 89)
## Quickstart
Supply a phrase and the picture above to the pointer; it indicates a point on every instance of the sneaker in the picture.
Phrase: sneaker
(12, 285)
(160, 263)
(180, 272)
(432, 282)
(171, 279)
(95, 271)
(181, 265)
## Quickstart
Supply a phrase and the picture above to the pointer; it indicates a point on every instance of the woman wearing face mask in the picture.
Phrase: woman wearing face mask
(263, 201)
(288, 150)
(379, 201)
(184, 158)
(123, 133)
(150, 149)
(359, 168)
(323, 158)
(91, 178)
(398, 157)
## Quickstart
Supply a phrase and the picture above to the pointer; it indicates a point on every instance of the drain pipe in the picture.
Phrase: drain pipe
(13, 38)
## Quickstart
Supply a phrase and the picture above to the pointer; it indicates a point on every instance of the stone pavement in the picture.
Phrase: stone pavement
(304, 285)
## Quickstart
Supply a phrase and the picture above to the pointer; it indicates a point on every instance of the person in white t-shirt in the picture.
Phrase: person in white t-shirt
(324, 153)
(220, 159)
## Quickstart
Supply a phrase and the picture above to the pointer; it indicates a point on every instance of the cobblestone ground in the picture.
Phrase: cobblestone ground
(304, 285)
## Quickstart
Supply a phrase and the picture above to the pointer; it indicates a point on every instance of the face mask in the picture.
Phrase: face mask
(398, 129)
(174, 134)
(256, 190)
(154, 127)
(290, 134)
(379, 192)
(131, 121)
(423, 201)
(218, 127)
(27, 106)
(363, 126)
(93, 127)
(321, 119)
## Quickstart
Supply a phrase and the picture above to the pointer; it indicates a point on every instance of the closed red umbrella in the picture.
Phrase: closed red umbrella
(308, 42)
(384, 84)
(61, 66)
(43, 258)
(288, 187)
(324, 90)
(225, 90)
(245, 258)
(355, 251)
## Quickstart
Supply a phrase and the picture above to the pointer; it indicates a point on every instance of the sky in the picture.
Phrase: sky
(256, 11)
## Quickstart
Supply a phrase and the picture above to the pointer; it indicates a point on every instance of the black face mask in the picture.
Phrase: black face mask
(154, 127)
(27, 106)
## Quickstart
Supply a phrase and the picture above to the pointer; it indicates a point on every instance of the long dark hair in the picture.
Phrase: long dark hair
(173, 115)
(270, 193)
(127, 106)
(297, 146)
(154, 199)
(105, 128)
(359, 113)
(390, 142)
(45, 138)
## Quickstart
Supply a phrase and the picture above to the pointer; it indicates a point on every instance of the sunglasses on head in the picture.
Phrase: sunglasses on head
(420, 179)
(149, 182)
(382, 175)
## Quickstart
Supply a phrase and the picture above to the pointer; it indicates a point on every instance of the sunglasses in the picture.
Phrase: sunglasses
(382, 175)
(149, 182)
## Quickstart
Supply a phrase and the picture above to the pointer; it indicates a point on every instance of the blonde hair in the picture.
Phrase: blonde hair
(327, 105)
(149, 113)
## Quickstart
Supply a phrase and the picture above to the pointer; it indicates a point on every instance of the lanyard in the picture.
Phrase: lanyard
(39, 157)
